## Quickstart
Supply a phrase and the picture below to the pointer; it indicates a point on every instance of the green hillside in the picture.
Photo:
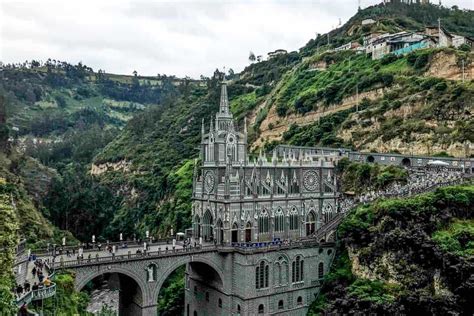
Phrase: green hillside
(413, 263)
(95, 153)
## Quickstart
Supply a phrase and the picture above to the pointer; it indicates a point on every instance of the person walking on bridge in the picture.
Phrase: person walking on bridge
(47, 282)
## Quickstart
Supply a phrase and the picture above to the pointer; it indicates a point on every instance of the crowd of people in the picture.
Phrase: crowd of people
(39, 279)
(419, 180)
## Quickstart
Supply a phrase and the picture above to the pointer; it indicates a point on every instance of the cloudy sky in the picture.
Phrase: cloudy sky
(180, 37)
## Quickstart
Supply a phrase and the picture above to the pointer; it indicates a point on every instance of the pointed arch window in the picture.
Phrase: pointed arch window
(279, 221)
(297, 269)
(263, 222)
(207, 225)
(321, 270)
(310, 223)
(294, 219)
(262, 275)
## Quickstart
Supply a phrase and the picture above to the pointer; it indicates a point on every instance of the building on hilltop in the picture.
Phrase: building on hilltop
(239, 199)
(276, 53)
(442, 37)
(459, 40)
(399, 44)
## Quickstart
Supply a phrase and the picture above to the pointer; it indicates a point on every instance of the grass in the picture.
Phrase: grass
(457, 238)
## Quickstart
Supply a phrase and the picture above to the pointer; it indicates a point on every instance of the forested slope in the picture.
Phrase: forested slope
(405, 256)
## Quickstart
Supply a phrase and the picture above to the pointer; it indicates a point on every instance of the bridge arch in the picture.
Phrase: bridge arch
(178, 262)
(133, 294)
(91, 276)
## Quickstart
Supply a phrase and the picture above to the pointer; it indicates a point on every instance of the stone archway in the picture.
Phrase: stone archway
(132, 291)
(370, 159)
(202, 270)
(406, 162)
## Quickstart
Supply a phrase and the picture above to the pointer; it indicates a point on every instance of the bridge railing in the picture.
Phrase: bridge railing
(62, 264)
(94, 247)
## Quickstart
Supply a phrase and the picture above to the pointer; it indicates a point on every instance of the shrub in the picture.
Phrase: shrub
(281, 109)
(421, 61)
(441, 86)
(465, 47)
(388, 59)
(61, 101)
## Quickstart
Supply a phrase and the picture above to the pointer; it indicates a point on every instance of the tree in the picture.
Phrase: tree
(4, 132)
(231, 74)
(465, 47)
(252, 57)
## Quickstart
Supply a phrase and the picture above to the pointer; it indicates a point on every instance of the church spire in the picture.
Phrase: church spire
(202, 129)
(224, 105)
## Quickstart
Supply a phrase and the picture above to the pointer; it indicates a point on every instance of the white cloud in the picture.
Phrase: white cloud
(172, 37)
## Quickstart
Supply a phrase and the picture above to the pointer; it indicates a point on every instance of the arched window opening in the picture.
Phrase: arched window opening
(262, 275)
(280, 304)
(195, 313)
(321, 270)
(299, 301)
(248, 232)
(238, 309)
(195, 290)
(294, 225)
(297, 269)
(219, 303)
(279, 221)
(187, 310)
(263, 223)
(276, 276)
(261, 309)
(207, 226)
(207, 296)
(235, 233)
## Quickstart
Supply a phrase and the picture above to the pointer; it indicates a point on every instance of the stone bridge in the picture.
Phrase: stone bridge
(466, 164)
(229, 270)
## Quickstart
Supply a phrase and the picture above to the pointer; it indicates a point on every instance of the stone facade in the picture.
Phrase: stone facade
(271, 283)
(238, 199)
(220, 281)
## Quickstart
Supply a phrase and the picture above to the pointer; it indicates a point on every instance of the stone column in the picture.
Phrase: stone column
(149, 310)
